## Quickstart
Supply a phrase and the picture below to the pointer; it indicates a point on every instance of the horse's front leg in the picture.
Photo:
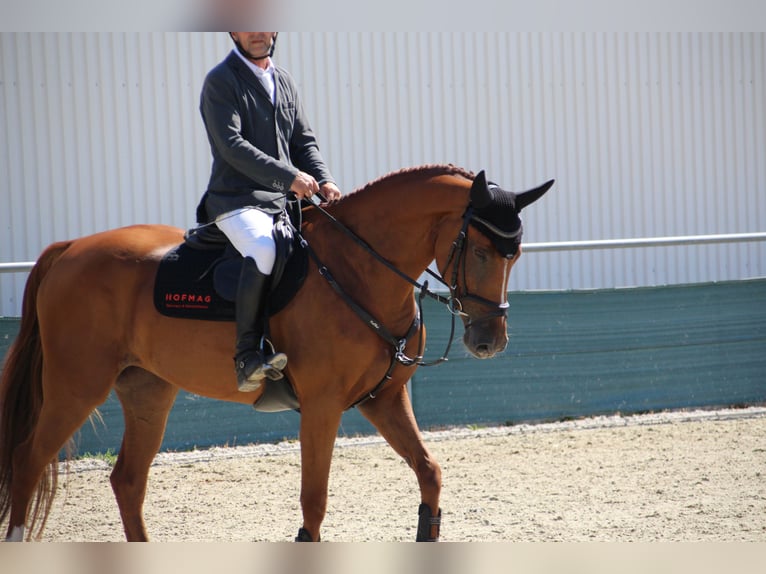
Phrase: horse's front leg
(391, 413)
(319, 427)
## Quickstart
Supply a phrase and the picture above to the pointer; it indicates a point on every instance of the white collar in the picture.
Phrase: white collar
(257, 70)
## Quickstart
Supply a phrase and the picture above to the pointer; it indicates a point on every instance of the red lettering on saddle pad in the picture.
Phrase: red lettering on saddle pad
(187, 301)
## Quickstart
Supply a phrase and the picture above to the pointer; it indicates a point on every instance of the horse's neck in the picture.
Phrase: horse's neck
(401, 222)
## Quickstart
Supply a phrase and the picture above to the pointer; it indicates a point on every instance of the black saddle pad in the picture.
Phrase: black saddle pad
(193, 283)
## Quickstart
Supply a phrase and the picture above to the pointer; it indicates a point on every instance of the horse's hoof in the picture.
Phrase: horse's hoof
(304, 536)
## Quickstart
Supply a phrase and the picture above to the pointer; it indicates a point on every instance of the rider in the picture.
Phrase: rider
(263, 147)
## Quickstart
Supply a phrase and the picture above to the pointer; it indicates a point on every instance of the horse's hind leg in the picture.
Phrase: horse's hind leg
(146, 402)
(61, 414)
(391, 413)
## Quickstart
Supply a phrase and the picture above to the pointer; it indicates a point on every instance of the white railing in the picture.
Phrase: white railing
(25, 266)
(643, 242)
(21, 266)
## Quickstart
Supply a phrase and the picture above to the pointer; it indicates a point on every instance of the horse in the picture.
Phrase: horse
(88, 327)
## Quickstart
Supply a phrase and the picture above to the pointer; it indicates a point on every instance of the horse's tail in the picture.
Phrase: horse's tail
(21, 395)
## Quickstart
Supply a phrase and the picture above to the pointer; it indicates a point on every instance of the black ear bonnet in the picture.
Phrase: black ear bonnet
(496, 216)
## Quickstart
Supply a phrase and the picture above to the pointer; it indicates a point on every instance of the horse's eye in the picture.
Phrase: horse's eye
(481, 254)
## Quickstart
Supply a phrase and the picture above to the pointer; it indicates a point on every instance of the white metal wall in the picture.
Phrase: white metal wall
(647, 135)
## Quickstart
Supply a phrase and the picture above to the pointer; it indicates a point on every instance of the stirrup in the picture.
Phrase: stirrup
(260, 368)
(247, 383)
(276, 361)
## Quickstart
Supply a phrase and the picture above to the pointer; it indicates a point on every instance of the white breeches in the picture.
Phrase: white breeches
(249, 231)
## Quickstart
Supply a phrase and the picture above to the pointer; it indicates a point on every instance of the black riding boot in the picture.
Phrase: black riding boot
(250, 363)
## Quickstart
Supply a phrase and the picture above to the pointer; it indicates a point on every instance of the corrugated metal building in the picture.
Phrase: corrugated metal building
(647, 135)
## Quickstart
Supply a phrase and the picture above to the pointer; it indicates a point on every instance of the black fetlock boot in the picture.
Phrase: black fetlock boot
(428, 524)
(249, 360)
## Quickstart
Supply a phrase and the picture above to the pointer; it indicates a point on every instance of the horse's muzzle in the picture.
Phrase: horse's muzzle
(486, 340)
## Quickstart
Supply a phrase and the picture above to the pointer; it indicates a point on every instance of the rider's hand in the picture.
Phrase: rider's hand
(304, 186)
(330, 191)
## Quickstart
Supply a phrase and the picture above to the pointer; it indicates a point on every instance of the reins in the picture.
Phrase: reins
(364, 245)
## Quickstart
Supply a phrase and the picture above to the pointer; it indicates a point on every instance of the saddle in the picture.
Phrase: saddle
(198, 280)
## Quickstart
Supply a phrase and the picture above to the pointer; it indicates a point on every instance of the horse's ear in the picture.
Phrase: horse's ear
(527, 197)
(480, 194)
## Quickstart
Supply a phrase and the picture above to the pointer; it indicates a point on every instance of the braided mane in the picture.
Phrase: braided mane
(430, 170)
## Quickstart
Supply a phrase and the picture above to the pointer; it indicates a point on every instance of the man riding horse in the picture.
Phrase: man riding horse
(262, 147)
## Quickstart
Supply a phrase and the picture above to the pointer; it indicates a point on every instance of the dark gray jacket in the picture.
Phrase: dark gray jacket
(258, 148)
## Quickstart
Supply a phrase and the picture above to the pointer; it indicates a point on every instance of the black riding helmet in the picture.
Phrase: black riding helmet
(249, 56)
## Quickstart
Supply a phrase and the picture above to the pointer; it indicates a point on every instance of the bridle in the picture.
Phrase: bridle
(458, 253)
(453, 302)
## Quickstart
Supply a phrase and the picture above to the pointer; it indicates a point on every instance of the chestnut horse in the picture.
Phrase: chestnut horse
(89, 326)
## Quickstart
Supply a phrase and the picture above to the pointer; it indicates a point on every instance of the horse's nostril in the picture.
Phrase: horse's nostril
(483, 350)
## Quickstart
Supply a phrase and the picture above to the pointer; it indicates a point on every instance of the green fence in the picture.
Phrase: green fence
(571, 354)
